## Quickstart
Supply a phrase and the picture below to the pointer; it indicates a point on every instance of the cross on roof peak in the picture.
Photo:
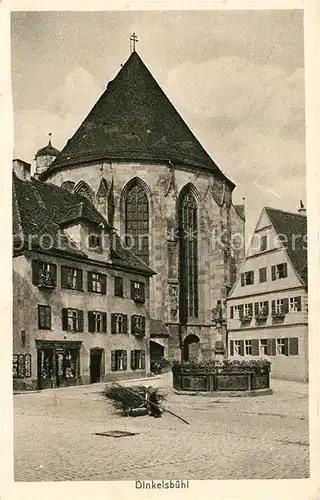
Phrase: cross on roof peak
(133, 40)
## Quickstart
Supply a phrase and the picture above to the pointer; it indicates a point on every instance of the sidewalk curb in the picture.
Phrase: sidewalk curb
(85, 386)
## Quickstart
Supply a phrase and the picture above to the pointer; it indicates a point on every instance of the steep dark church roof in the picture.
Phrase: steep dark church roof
(134, 120)
(41, 208)
(294, 229)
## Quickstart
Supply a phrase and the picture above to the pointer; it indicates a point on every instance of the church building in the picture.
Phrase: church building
(135, 158)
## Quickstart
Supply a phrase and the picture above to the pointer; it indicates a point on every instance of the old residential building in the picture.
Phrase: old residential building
(137, 160)
(268, 305)
(81, 300)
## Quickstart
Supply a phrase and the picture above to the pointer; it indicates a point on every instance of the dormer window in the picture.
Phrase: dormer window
(138, 291)
(94, 242)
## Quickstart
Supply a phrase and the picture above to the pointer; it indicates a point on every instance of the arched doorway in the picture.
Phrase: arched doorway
(156, 351)
(191, 348)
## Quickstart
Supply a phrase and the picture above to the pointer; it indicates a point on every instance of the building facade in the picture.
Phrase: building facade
(139, 163)
(267, 309)
(81, 301)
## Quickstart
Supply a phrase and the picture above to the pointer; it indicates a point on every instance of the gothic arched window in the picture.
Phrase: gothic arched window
(137, 221)
(188, 256)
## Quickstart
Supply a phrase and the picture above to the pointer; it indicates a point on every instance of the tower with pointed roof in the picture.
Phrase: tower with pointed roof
(45, 156)
(171, 203)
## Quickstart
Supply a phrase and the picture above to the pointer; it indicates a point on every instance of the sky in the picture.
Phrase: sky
(236, 78)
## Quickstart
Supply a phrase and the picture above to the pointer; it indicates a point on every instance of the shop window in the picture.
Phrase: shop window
(21, 365)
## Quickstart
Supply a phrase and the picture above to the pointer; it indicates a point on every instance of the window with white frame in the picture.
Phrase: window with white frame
(263, 307)
(237, 347)
(263, 348)
(73, 320)
(281, 346)
(247, 309)
(279, 306)
(248, 347)
(236, 312)
(294, 304)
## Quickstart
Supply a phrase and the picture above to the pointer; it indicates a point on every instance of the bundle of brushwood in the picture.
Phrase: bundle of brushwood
(131, 400)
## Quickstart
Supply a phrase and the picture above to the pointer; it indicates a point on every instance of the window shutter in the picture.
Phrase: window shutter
(39, 317)
(89, 281)
(273, 347)
(286, 347)
(252, 277)
(103, 283)
(273, 273)
(125, 323)
(80, 322)
(104, 322)
(267, 306)
(91, 322)
(256, 308)
(143, 360)
(132, 289)
(133, 360)
(113, 361)
(231, 348)
(231, 312)
(35, 272)
(250, 309)
(242, 279)
(286, 305)
(79, 279)
(65, 319)
(241, 310)
(285, 270)
(299, 303)
(124, 360)
(49, 314)
(53, 269)
(241, 347)
(143, 321)
(269, 347)
(63, 276)
(273, 306)
(113, 323)
(294, 346)
(255, 347)
(133, 325)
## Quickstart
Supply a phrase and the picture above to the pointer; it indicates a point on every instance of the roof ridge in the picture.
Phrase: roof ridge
(285, 212)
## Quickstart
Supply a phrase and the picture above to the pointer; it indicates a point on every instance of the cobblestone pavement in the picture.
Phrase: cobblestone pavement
(264, 437)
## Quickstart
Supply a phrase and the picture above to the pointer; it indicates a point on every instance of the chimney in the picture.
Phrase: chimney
(302, 210)
(22, 169)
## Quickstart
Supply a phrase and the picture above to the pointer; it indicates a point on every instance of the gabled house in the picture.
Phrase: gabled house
(80, 298)
(267, 308)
